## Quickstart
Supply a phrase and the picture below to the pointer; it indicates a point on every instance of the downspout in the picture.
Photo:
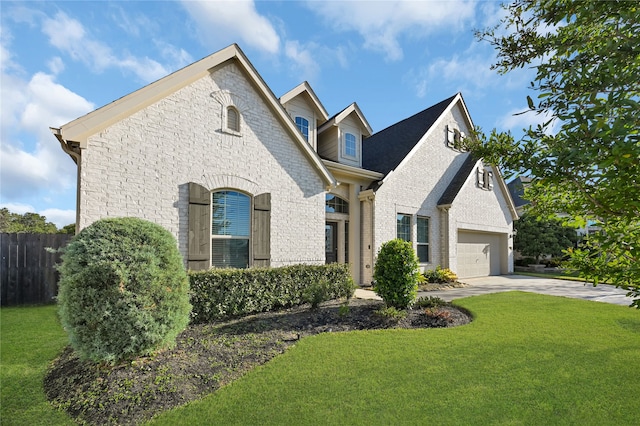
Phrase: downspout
(75, 156)
(368, 196)
(444, 235)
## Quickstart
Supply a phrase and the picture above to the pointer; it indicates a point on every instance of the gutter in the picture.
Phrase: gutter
(73, 153)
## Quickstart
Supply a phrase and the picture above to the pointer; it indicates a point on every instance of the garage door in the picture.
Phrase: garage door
(478, 254)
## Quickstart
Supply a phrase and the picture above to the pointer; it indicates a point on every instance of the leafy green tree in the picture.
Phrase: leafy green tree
(28, 222)
(586, 157)
(68, 229)
(538, 238)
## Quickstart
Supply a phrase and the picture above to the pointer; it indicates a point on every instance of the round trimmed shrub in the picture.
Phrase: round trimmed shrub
(123, 290)
(396, 274)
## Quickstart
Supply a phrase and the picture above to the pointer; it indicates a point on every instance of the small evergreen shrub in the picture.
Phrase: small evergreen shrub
(389, 312)
(396, 274)
(123, 290)
(317, 292)
(222, 293)
(430, 302)
(440, 275)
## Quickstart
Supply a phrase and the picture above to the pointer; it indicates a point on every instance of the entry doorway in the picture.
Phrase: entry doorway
(331, 242)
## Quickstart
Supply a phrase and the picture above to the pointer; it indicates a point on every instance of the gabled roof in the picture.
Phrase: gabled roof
(516, 189)
(456, 184)
(386, 149)
(351, 109)
(305, 88)
(80, 129)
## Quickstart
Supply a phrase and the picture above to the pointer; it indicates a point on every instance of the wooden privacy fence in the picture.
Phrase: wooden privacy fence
(27, 270)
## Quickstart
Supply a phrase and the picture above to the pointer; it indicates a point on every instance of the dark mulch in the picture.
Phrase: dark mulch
(208, 356)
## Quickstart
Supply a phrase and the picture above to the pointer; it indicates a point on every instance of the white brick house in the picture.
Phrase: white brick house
(242, 178)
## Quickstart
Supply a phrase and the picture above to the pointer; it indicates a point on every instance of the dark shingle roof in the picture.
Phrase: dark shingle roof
(383, 151)
(516, 189)
(458, 181)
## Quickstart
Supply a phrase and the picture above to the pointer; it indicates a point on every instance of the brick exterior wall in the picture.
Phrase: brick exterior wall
(415, 187)
(140, 166)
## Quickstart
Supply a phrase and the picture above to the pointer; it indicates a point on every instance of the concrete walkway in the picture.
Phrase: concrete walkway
(495, 284)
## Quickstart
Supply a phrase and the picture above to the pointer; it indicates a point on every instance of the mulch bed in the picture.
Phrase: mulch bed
(208, 356)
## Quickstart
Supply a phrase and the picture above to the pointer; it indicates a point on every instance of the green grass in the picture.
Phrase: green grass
(29, 339)
(526, 359)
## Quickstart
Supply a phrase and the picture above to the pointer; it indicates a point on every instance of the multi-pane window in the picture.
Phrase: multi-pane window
(233, 119)
(350, 147)
(403, 222)
(230, 229)
(303, 126)
(335, 204)
(423, 239)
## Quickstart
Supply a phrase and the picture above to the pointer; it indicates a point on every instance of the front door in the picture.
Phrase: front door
(331, 242)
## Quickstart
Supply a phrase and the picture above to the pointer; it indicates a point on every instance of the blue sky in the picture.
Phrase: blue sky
(60, 60)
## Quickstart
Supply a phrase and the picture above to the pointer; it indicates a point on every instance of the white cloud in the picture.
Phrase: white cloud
(228, 22)
(59, 217)
(465, 73)
(32, 160)
(382, 24)
(70, 36)
(50, 105)
(302, 58)
(56, 66)
(522, 118)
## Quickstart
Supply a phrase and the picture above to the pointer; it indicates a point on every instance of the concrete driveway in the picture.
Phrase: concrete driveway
(554, 287)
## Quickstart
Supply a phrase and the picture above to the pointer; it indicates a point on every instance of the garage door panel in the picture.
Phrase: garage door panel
(478, 254)
(474, 260)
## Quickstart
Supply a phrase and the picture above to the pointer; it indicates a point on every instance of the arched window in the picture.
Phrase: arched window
(233, 119)
(335, 204)
(230, 229)
(350, 147)
(303, 126)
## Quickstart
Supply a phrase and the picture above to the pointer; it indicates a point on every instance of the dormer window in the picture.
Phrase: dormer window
(303, 125)
(350, 147)
(233, 119)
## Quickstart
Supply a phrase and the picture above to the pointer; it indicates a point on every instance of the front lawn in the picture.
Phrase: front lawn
(29, 339)
(526, 359)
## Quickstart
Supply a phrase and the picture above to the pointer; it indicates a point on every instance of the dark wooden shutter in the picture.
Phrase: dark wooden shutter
(199, 227)
(261, 230)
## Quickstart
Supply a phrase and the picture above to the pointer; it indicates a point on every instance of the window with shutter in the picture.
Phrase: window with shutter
(261, 232)
(199, 227)
(230, 229)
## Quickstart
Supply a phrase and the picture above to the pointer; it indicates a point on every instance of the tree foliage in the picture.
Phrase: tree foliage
(547, 237)
(586, 157)
(28, 222)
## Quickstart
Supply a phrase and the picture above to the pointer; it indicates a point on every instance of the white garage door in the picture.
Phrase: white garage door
(479, 254)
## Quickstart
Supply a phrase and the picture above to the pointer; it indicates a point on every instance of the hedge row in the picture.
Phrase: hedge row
(224, 293)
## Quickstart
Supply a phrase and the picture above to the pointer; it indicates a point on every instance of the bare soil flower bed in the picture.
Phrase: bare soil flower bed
(208, 356)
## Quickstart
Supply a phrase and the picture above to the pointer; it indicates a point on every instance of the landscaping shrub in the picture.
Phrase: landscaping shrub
(391, 313)
(430, 302)
(223, 293)
(123, 290)
(396, 274)
(440, 276)
(525, 261)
